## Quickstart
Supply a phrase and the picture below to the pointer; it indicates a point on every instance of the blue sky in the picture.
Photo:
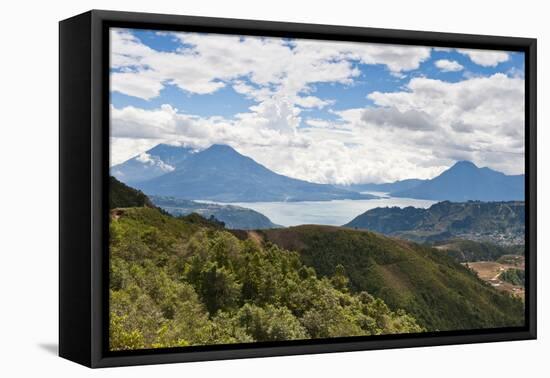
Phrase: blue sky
(286, 102)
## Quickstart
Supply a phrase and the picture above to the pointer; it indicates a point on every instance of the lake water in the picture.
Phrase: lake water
(336, 213)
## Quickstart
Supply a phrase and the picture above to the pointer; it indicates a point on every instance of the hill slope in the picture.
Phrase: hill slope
(497, 222)
(464, 181)
(178, 282)
(220, 173)
(438, 291)
(121, 195)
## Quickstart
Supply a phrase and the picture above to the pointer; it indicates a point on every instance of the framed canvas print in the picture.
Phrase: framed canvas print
(233, 188)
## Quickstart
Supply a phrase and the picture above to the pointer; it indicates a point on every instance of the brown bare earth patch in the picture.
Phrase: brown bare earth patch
(286, 238)
(255, 237)
(116, 213)
(405, 244)
(395, 277)
(490, 271)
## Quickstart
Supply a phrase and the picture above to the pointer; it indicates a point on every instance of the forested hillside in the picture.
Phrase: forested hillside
(182, 281)
(189, 281)
(437, 290)
(121, 195)
(497, 222)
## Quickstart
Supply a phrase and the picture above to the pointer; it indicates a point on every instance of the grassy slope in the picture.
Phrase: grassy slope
(439, 292)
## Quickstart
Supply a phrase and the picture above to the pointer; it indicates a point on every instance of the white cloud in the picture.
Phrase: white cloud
(312, 102)
(417, 132)
(145, 158)
(279, 79)
(123, 149)
(209, 62)
(479, 119)
(414, 132)
(127, 50)
(411, 119)
(485, 58)
(271, 124)
(321, 123)
(144, 84)
(446, 65)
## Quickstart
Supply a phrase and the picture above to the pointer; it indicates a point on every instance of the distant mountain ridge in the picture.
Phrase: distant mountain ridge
(497, 222)
(219, 173)
(464, 181)
(157, 161)
(387, 187)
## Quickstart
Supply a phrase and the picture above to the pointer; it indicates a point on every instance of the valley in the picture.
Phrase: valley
(334, 212)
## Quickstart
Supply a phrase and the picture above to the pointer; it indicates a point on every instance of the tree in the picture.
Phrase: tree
(217, 287)
(270, 323)
(179, 282)
(340, 280)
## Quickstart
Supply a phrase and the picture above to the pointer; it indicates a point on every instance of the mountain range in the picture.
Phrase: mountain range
(464, 181)
(387, 187)
(497, 222)
(220, 173)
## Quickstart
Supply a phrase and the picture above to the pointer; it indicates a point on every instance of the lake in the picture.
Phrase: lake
(335, 213)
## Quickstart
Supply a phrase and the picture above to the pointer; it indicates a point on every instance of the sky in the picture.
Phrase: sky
(322, 111)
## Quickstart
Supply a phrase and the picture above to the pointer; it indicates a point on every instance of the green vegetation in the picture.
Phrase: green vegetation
(515, 260)
(513, 276)
(438, 291)
(501, 223)
(121, 195)
(467, 250)
(187, 281)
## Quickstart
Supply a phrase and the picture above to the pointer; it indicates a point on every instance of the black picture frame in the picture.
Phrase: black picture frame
(83, 181)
